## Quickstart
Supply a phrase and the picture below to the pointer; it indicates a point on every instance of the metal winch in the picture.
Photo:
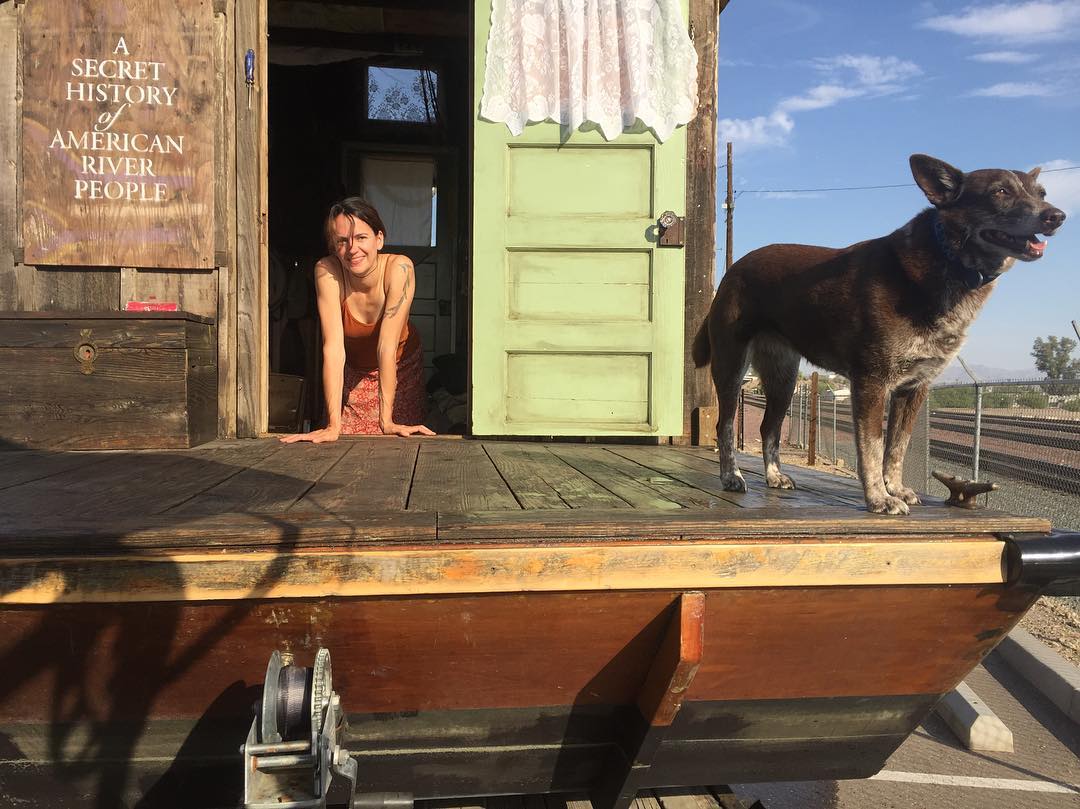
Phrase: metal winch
(293, 754)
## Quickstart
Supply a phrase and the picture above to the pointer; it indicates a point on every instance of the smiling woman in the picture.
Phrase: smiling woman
(373, 364)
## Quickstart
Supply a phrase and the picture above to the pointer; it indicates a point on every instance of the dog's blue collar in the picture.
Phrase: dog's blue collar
(969, 277)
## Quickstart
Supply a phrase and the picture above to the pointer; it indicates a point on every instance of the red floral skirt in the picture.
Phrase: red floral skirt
(360, 412)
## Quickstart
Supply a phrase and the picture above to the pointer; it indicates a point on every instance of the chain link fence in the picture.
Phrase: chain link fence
(1024, 436)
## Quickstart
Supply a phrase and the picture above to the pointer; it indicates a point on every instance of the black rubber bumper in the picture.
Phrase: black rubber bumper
(1048, 561)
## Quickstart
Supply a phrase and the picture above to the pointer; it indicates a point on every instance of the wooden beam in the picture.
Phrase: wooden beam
(251, 315)
(225, 207)
(658, 702)
(11, 296)
(433, 569)
(830, 521)
(700, 206)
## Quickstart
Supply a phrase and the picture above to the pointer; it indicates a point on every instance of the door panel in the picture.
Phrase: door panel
(577, 314)
(399, 183)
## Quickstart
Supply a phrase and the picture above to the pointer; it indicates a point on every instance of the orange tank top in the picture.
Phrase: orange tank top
(362, 341)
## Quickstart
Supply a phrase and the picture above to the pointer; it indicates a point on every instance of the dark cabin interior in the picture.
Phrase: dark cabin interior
(369, 100)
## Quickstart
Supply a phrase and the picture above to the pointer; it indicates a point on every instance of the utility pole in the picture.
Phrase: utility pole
(729, 206)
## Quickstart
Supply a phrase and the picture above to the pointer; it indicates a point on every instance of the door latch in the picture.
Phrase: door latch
(670, 229)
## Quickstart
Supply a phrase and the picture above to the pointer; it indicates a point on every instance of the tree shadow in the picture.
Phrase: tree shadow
(82, 682)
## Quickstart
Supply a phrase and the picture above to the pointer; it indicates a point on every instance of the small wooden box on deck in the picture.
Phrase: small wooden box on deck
(108, 380)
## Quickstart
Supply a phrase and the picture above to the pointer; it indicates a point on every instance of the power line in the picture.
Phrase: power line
(854, 187)
(819, 190)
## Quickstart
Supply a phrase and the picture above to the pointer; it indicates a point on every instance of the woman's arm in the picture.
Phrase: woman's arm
(399, 297)
(328, 297)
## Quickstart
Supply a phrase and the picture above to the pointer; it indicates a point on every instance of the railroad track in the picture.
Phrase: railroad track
(1063, 477)
(1043, 432)
(1014, 462)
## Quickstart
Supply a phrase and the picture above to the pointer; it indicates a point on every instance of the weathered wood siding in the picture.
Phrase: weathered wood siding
(117, 134)
(106, 274)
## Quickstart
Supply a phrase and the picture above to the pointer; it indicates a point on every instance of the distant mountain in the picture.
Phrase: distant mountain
(985, 373)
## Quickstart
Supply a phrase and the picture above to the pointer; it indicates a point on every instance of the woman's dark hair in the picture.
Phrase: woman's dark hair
(354, 208)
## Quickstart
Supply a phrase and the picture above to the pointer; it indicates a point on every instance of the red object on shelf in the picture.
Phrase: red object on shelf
(151, 306)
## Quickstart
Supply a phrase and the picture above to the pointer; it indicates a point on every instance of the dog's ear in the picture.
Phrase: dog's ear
(1034, 173)
(940, 182)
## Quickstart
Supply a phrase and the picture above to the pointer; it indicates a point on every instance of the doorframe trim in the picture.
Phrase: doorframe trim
(701, 151)
(252, 249)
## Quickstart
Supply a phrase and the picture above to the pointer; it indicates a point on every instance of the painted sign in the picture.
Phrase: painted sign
(118, 133)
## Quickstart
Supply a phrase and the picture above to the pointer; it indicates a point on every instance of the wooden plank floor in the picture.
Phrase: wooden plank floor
(469, 488)
(379, 474)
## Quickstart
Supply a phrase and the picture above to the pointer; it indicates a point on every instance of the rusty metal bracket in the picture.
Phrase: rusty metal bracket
(86, 352)
(963, 492)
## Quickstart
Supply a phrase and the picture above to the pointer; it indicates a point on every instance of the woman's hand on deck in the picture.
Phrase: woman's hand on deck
(405, 429)
(322, 436)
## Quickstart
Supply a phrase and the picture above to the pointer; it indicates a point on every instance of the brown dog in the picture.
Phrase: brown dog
(889, 314)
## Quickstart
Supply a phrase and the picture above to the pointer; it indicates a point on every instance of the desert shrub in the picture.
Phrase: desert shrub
(952, 397)
(1035, 399)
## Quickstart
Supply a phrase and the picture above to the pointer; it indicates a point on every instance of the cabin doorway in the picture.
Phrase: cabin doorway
(367, 100)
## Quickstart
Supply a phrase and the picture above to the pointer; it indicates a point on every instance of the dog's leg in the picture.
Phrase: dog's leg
(905, 406)
(778, 365)
(868, 411)
(729, 362)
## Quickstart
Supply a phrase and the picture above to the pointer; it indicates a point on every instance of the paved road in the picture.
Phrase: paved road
(931, 770)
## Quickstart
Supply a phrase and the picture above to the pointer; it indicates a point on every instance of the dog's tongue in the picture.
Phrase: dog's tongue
(1036, 246)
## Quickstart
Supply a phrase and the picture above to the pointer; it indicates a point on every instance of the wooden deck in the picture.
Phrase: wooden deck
(406, 517)
(504, 617)
(363, 477)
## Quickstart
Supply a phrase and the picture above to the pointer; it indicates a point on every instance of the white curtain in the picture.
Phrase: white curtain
(609, 62)
(400, 190)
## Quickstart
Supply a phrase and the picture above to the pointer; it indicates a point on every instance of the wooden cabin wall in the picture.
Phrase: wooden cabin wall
(701, 155)
(222, 292)
(16, 283)
(225, 225)
(251, 213)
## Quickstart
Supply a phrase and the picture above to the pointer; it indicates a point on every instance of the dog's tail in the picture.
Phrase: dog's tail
(700, 350)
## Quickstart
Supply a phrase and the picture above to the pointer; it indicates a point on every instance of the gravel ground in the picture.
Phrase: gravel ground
(1054, 621)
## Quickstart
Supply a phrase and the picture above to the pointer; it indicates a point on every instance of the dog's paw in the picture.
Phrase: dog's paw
(887, 505)
(733, 482)
(778, 480)
(904, 493)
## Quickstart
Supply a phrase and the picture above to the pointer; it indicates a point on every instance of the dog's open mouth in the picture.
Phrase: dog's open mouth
(1028, 246)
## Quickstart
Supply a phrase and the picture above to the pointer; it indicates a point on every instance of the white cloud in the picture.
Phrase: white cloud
(748, 133)
(1005, 57)
(871, 71)
(1062, 187)
(850, 76)
(819, 97)
(1038, 20)
(1014, 89)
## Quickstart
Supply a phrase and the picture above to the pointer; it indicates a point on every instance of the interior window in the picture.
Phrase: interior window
(402, 94)
(402, 189)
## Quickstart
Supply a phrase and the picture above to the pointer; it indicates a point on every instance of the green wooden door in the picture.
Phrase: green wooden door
(577, 314)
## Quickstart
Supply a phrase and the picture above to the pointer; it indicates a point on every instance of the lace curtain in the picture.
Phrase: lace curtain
(609, 62)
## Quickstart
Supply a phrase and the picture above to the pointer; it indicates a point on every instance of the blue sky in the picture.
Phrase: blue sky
(839, 94)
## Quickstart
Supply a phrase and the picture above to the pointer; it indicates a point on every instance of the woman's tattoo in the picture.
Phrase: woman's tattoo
(393, 310)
